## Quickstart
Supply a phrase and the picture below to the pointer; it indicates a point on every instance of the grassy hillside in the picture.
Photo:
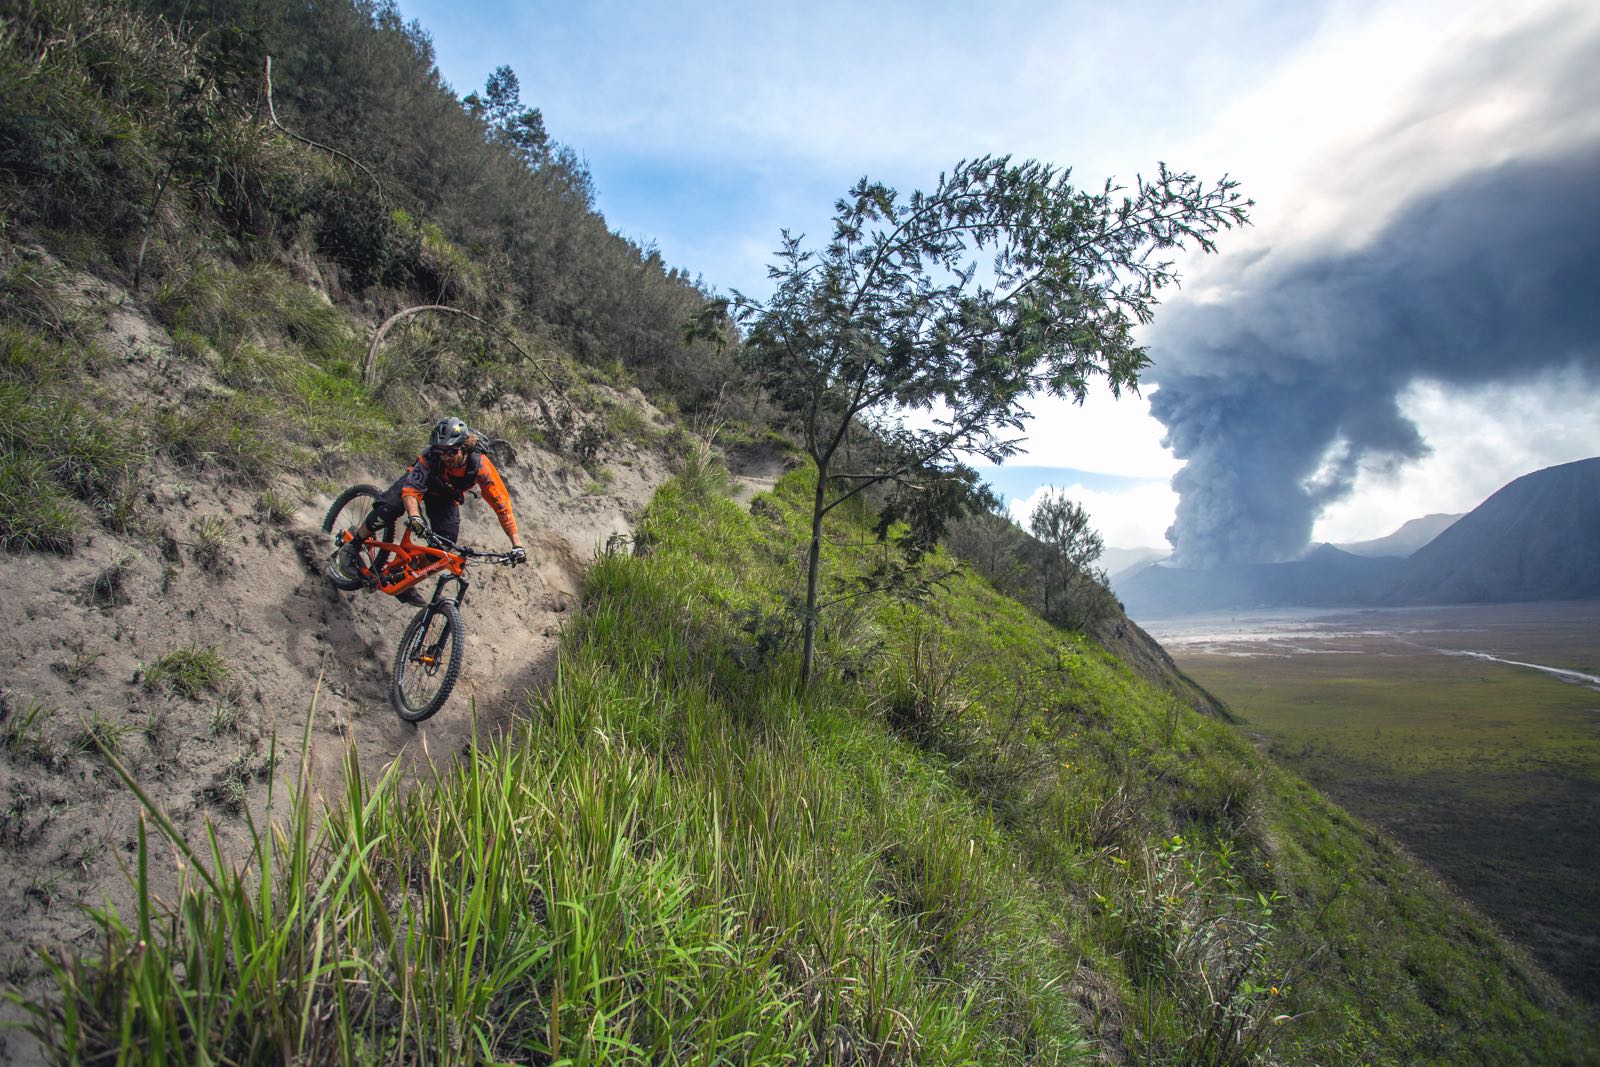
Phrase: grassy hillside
(978, 840)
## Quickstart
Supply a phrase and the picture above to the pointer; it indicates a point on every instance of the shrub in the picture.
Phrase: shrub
(82, 156)
(354, 226)
(57, 445)
(275, 508)
(1188, 927)
(20, 726)
(187, 671)
(35, 292)
(628, 423)
(90, 454)
(702, 471)
(80, 666)
(236, 433)
(225, 717)
(195, 303)
(229, 787)
(920, 693)
(34, 512)
(210, 542)
(109, 588)
(315, 325)
(101, 733)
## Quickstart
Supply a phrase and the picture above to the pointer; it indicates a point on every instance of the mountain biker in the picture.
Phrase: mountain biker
(435, 485)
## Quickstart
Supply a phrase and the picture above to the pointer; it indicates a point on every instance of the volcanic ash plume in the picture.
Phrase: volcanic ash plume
(1277, 397)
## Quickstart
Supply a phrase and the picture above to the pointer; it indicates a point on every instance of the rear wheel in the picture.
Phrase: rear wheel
(349, 510)
(428, 662)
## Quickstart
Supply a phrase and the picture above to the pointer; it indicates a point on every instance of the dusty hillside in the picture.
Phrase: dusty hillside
(214, 571)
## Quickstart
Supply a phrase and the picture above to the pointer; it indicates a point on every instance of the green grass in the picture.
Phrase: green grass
(100, 732)
(34, 511)
(234, 434)
(288, 364)
(626, 422)
(21, 723)
(62, 460)
(211, 539)
(974, 840)
(189, 671)
(275, 508)
(1412, 714)
(38, 294)
(287, 395)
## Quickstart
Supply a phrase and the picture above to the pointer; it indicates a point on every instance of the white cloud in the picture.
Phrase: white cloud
(1385, 103)
(1104, 435)
(1381, 104)
(1124, 518)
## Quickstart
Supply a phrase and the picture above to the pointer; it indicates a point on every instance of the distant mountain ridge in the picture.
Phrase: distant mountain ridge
(1116, 561)
(1123, 563)
(1406, 540)
(1326, 577)
(1537, 538)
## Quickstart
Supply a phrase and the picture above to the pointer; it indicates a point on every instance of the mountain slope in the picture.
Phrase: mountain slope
(1326, 577)
(1412, 535)
(1538, 538)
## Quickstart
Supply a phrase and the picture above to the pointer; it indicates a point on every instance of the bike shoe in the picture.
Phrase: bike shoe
(345, 564)
(410, 596)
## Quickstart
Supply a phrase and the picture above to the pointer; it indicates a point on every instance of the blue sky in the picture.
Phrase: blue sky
(708, 127)
(711, 126)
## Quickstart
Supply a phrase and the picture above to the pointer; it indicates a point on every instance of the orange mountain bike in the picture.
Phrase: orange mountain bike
(429, 658)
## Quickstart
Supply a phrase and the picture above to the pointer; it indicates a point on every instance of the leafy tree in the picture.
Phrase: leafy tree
(519, 129)
(997, 549)
(955, 307)
(1074, 588)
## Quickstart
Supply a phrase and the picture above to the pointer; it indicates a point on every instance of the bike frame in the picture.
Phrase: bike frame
(410, 563)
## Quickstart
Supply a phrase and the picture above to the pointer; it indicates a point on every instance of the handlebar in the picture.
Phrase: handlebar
(440, 541)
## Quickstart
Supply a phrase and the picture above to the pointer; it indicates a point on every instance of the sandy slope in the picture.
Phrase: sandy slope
(67, 823)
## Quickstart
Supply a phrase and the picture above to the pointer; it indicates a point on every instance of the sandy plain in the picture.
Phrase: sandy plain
(1471, 733)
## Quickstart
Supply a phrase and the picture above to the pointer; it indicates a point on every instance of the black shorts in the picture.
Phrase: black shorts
(444, 514)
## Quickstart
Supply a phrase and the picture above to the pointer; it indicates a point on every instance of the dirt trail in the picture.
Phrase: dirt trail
(756, 469)
(81, 658)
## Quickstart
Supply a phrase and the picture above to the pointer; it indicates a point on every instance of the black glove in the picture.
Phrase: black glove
(418, 526)
(517, 555)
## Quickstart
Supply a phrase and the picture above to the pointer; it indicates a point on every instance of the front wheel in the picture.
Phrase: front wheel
(429, 659)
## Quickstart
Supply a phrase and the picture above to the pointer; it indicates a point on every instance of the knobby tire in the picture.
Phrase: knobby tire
(348, 510)
(420, 689)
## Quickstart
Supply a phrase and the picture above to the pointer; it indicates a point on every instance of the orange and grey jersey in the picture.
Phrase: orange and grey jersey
(429, 478)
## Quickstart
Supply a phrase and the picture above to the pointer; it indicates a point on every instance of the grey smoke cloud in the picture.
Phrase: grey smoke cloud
(1278, 396)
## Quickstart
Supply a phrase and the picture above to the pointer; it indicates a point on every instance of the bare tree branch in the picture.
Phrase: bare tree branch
(370, 368)
(273, 112)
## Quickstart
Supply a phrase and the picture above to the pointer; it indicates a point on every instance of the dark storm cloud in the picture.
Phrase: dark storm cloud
(1275, 397)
